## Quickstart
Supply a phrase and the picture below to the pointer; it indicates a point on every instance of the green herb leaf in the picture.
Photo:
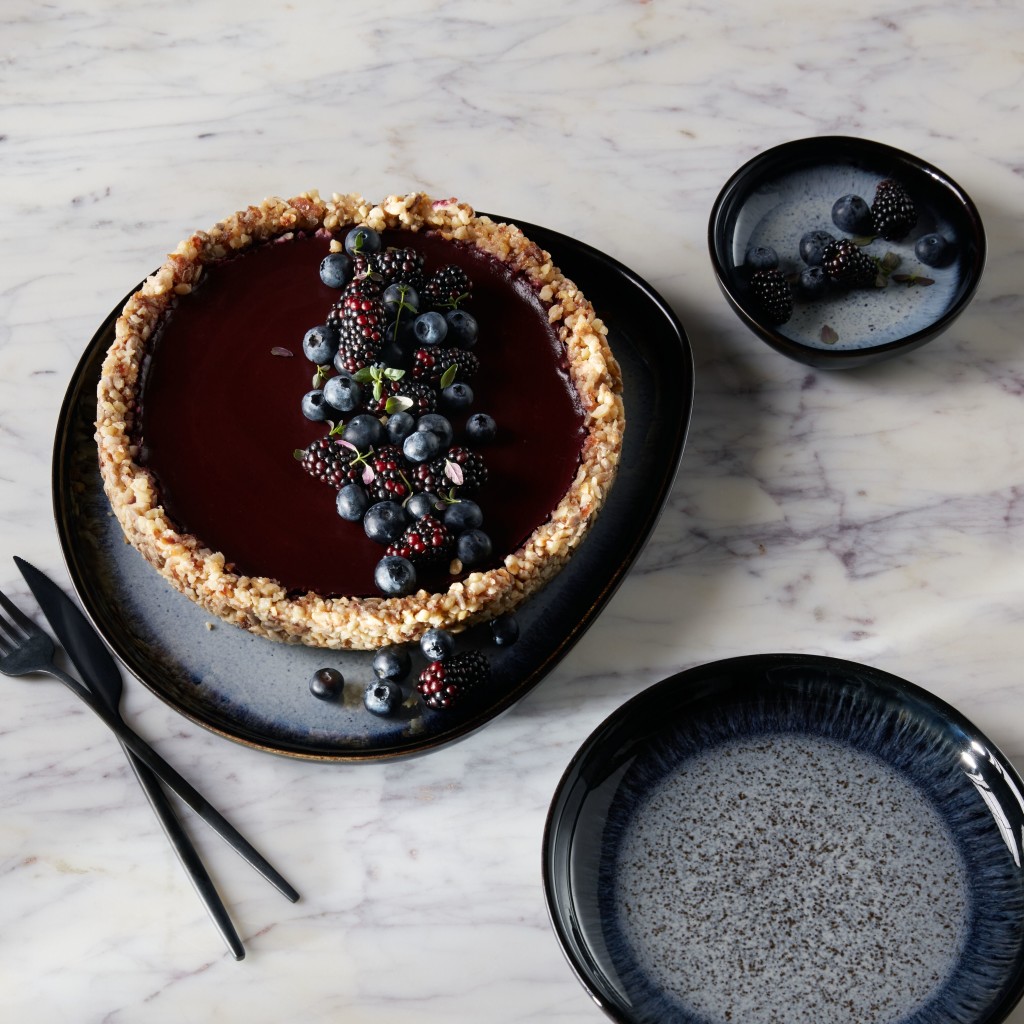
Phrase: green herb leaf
(392, 373)
(448, 377)
(398, 403)
(364, 375)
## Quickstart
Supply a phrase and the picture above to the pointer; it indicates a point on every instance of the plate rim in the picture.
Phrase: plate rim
(681, 352)
(604, 732)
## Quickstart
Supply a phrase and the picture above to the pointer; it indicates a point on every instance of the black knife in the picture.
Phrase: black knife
(94, 662)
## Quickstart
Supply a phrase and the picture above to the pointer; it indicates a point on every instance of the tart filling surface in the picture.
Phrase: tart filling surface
(199, 413)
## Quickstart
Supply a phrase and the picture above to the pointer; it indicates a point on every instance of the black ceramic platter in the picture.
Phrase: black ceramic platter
(255, 691)
(790, 838)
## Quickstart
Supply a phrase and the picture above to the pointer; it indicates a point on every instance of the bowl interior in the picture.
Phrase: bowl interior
(789, 190)
(789, 837)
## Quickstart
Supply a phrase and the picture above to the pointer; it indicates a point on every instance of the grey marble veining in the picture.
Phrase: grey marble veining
(875, 515)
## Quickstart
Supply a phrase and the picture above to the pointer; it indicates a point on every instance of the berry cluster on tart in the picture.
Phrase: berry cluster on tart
(451, 388)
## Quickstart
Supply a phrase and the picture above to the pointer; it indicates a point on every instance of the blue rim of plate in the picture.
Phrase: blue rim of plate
(255, 691)
(972, 787)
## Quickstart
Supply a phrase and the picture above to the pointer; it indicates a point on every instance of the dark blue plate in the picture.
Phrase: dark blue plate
(790, 838)
(254, 690)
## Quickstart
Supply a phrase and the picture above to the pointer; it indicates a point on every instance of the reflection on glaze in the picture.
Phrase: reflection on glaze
(1002, 820)
(826, 888)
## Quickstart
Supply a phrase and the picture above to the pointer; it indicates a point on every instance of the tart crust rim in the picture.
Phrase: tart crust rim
(261, 605)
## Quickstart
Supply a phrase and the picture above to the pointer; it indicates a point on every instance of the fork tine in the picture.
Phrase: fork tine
(27, 626)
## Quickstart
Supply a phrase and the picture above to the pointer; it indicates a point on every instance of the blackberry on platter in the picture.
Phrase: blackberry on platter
(442, 684)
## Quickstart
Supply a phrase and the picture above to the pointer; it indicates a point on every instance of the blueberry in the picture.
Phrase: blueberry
(314, 407)
(352, 502)
(505, 629)
(392, 663)
(473, 547)
(813, 282)
(343, 393)
(364, 431)
(382, 697)
(437, 424)
(399, 426)
(400, 299)
(812, 247)
(430, 328)
(385, 521)
(457, 397)
(320, 344)
(850, 213)
(399, 332)
(761, 257)
(437, 644)
(481, 428)
(933, 250)
(463, 515)
(421, 446)
(335, 270)
(326, 684)
(462, 327)
(424, 504)
(362, 241)
(395, 576)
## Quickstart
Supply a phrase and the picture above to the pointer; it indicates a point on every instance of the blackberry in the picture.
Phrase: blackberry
(459, 468)
(772, 293)
(442, 684)
(846, 263)
(359, 319)
(421, 394)
(398, 265)
(333, 461)
(429, 364)
(426, 542)
(447, 288)
(423, 480)
(390, 475)
(893, 212)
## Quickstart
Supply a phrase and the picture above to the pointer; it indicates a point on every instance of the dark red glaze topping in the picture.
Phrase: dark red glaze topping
(220, 415)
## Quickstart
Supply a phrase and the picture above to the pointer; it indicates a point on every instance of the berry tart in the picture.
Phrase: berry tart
(344, 424)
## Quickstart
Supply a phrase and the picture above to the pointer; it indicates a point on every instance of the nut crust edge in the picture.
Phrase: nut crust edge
(261, 605)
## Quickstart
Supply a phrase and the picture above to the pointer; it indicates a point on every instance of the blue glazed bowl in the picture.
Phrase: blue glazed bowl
(790, 837)
(781, 194)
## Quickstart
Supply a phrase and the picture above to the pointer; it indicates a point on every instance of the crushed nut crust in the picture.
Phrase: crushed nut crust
(261, 605)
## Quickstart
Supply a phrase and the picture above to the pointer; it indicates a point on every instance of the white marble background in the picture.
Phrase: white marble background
(876, 515)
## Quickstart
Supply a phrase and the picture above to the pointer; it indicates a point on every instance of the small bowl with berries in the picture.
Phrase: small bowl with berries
(840, 252)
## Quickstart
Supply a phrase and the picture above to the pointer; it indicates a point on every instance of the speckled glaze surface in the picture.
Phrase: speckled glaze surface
(779, 195)
(790, 839)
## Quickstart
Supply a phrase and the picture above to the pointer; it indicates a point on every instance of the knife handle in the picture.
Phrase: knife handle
(182, 845)
(191, 796)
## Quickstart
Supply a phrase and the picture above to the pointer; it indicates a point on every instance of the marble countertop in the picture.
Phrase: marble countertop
(873, 515)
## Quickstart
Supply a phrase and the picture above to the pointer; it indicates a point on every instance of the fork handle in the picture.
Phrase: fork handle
(191, 796)
(186, 852)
